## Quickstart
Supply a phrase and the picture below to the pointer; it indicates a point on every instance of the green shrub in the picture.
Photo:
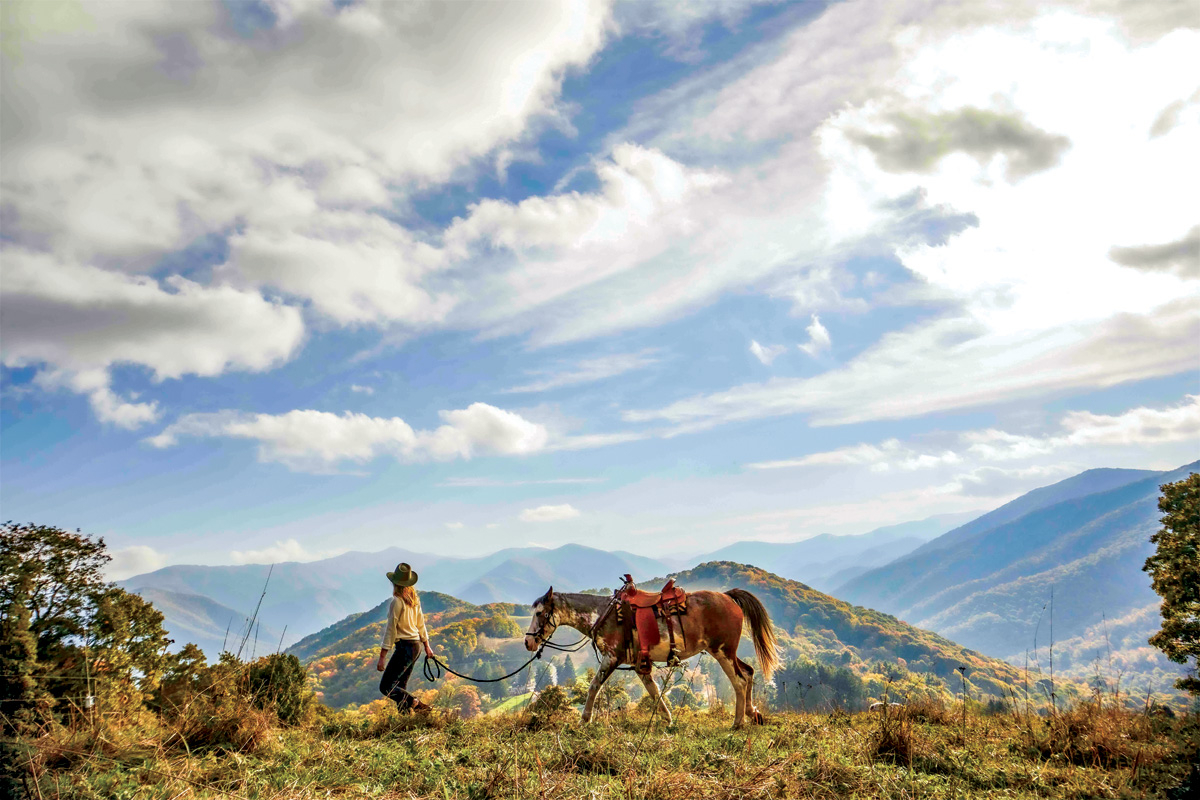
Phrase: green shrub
(278, 683)
(550, 700)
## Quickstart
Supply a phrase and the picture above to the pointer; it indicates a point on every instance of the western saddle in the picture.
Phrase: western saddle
(641, 611)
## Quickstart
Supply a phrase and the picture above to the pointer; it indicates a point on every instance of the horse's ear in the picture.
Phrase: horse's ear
(550, 593)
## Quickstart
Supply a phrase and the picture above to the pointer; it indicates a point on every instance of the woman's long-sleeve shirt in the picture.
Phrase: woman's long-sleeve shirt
(404, 622)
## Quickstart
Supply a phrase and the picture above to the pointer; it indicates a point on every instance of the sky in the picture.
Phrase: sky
(286, 278)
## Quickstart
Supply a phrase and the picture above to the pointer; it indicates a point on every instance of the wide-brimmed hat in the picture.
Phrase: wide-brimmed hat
(403, 576)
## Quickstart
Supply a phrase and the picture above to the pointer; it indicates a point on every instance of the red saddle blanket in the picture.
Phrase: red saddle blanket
(647, 607)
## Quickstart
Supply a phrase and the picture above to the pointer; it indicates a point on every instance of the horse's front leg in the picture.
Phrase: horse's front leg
(652, 690)
(606, 668)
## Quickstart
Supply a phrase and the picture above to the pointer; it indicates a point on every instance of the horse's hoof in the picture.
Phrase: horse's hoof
(759, 719)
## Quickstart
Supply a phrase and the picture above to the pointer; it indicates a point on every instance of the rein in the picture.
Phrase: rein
(434, 666)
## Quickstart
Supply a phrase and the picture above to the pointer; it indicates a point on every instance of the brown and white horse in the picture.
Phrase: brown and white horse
(712, 624)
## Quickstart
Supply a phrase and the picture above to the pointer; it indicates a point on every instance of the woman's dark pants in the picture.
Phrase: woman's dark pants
(395, 677)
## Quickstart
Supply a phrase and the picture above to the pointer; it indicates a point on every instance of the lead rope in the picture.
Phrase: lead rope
(433, 672)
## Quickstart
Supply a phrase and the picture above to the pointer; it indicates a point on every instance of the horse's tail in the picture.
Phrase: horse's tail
(766, 647)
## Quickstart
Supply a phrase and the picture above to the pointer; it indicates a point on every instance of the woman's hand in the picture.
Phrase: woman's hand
(382, 660)
(428, 650)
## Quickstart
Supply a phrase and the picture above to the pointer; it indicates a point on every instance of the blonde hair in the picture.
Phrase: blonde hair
(406, 593)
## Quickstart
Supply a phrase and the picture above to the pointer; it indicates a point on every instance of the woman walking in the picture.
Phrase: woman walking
(406, 631)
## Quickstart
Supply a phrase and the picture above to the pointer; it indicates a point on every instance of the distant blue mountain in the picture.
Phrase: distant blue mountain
(987, 584)
(305, 597)
(211, 625)
(826, 560)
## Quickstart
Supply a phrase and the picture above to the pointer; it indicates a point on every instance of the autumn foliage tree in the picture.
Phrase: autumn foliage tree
(72, 632)
(1175, 575)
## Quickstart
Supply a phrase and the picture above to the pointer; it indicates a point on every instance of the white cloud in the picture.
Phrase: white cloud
(588, 441)
(455, 526)
(573, 266)
(589, 371)
(979, 449)
(766, 354)
(357, 389)
(1000, 482)
(1137, 426)
(280, 552)
(249, 108)
(1029, 300)
(639, 187)
(767, 173)
(818, 338)
(134, 560)
(79, 321)
(954, 363)
(318, 440)
(106, 404)
(885, 456)
(355, 267)
(136, 128)
(549, 513)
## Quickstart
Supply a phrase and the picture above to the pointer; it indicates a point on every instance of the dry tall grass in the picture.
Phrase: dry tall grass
(914, 751)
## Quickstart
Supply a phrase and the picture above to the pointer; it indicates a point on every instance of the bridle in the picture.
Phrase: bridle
(540, 636)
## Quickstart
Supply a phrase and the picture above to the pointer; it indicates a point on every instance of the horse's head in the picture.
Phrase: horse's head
(543, 623)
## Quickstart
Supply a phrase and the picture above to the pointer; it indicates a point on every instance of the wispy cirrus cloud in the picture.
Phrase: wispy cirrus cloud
(480, 483)
(1139, 426)
(588, 371)
(957, 363)
(885, 456)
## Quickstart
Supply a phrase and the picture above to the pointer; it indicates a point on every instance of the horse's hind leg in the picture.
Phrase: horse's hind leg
(652, 690)
(729, 667)
(748, 671)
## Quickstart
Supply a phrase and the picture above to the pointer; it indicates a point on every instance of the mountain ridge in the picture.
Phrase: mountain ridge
(988, 589)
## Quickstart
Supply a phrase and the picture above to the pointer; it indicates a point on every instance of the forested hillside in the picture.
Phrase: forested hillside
(354, 631)
(821, 628)
(845, 655)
